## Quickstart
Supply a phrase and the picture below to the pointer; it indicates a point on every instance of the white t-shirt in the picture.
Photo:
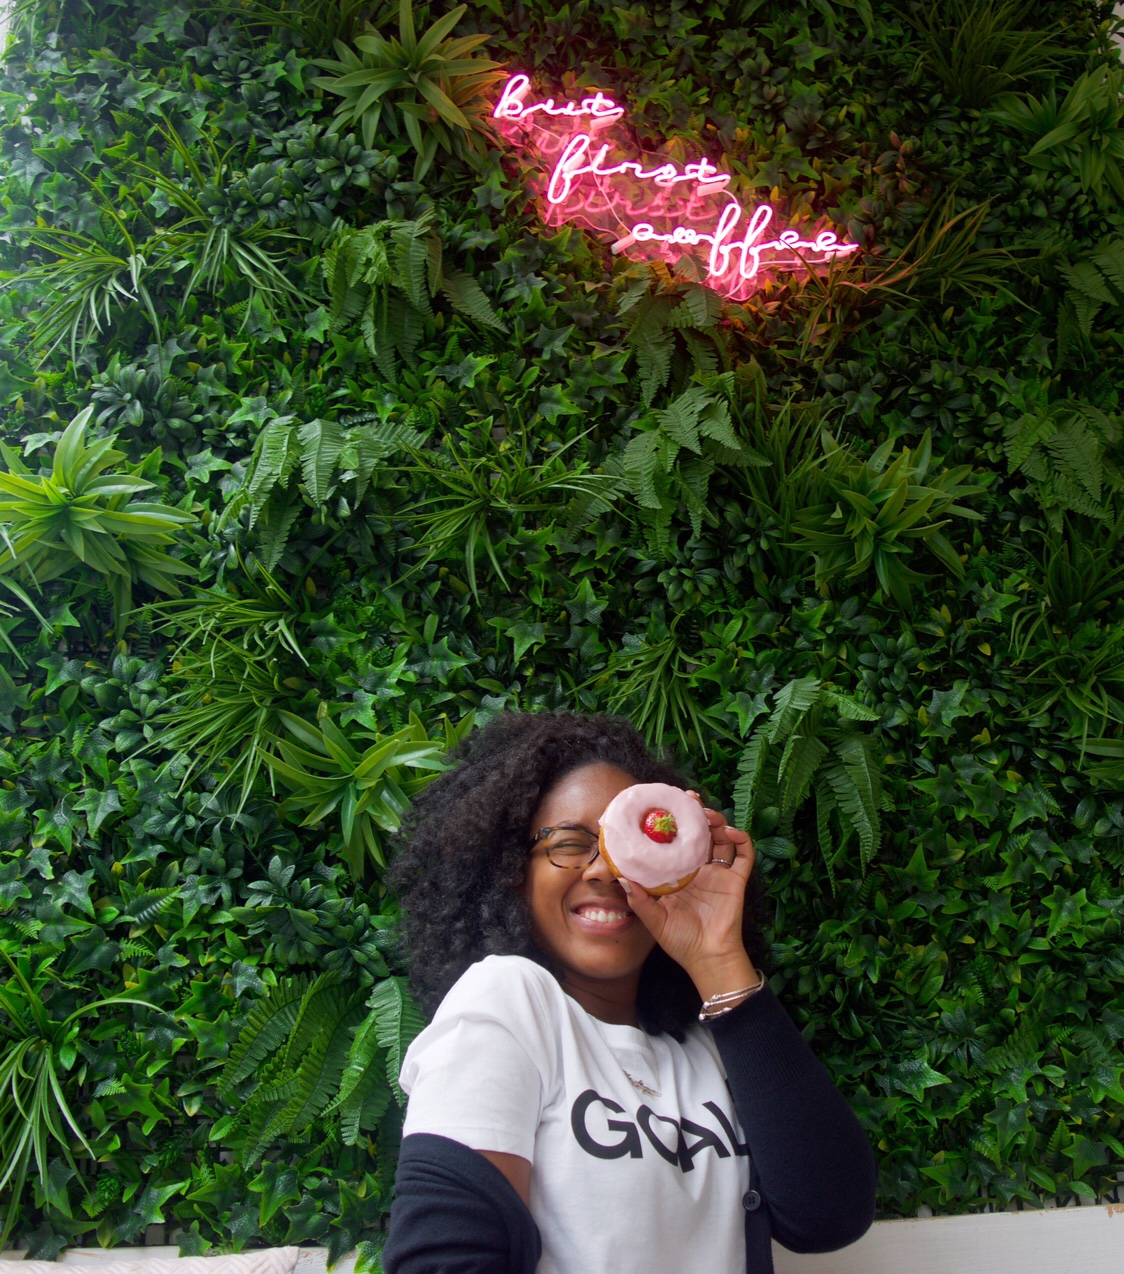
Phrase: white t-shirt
(624, 1179)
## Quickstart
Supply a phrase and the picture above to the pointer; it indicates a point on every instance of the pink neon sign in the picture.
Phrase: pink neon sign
(660, 210)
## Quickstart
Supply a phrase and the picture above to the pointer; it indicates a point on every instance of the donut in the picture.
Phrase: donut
(656, 835)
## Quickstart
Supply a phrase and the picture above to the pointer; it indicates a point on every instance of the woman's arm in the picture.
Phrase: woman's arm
(455, 1212)
(816, 1169)
(515, 1168)
(813, 1161)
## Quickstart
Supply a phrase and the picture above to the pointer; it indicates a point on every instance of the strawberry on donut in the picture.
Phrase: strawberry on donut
(656, 835)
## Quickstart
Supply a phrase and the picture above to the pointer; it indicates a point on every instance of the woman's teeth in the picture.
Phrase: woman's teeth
(604, 917)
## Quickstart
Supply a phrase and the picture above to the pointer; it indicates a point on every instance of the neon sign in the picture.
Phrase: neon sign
(659, 210)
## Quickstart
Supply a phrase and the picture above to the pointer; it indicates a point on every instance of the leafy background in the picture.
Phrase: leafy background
(318, 447)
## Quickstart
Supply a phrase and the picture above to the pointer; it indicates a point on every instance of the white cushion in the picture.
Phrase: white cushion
(269, 1260)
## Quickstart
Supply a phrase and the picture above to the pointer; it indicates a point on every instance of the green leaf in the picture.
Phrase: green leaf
(397, 1022)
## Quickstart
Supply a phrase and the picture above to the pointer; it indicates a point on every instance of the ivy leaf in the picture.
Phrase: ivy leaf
(98, 805)
(307, 1223)
(1009, 1120)
(74, 890)
(463, 374)
(317, 324)
(277, 1185)
(13, 698)
(203, 464)
(948, 706)
(584, 607)
(913, 1077)
(243, 1224)
(1032, 801)
(552, 340)
(94, 751)
(555, 403)
(12, 887)
(1065, 910)
(992, 603)
(61, 671)
(145, 1210)
(25, 165)
(244, 978)
(1086, 1154)
(524, 635)
(748, 708)
(360, 709)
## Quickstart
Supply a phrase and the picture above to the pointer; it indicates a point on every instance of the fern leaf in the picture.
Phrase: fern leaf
(376, 442)
(1085, 310)
(857, 788)
(266, 1122)
(701, 304)
(641, 459)
(1106, 428)
(694, 483)
(411, 257)
(632, 297)
(273, 461)
(320, 442)
(802, 757)
(147, 907)
(850, 709)
(714, 423)
(273, 531)
(319, 1049)
(378, 335)
(680, 420)
(791, 703)
(1086, 280)
(702, 351)
(749, 776)
(365, 1101)
(362, 1054)
(854, 812)
(1020, 1050)
(397, 1023)
(467, 297)
(825, 807)
(1110, 261)
(404, 325)
(588, 505)
(366, 1106)
(859, 752)
(1023, 435)
(268, 1025)
(1078, 450)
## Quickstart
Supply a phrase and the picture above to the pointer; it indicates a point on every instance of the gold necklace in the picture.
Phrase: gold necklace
(638, 1084)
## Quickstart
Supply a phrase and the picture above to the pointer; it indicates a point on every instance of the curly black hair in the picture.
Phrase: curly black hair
(463, 852)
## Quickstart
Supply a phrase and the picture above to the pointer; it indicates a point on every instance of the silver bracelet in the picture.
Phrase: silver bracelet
(724, 1001)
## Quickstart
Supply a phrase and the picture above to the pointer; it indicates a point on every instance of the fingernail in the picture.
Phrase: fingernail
(625, 885)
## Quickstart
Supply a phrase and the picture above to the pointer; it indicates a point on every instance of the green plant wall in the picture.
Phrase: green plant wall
(319, 446)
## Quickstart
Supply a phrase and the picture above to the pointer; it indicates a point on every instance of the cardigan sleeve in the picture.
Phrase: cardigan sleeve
(456, 1213)
(816, 1170)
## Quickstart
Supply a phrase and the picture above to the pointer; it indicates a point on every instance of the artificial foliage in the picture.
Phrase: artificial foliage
(319, 447)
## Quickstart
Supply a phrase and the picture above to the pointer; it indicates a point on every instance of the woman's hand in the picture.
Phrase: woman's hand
(700, 927)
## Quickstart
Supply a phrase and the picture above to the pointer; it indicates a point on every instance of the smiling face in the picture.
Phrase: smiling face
(580, 918)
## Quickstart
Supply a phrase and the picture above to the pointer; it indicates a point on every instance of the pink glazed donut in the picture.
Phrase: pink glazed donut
(656, 835)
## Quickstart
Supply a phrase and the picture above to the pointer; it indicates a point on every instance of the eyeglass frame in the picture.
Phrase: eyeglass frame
(562, 827)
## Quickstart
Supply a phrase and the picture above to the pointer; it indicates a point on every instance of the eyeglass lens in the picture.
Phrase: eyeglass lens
(570, 847)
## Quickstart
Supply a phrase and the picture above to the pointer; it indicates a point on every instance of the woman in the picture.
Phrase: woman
(568, 1113)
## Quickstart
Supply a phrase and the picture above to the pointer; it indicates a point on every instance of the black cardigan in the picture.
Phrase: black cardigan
(812, 1171)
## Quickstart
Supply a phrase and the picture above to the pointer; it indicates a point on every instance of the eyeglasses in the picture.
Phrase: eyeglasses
(568, 847)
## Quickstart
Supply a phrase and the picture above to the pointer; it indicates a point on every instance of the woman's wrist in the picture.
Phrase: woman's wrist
(723, 974)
